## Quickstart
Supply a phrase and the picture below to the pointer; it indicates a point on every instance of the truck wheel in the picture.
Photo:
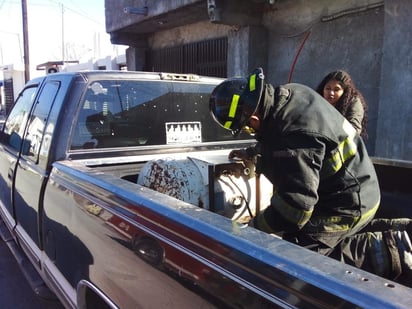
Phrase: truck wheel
(150, 251)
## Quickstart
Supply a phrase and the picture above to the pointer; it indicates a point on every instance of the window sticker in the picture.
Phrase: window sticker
(183, 132)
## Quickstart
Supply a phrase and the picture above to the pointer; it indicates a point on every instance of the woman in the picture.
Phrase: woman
(339, 90)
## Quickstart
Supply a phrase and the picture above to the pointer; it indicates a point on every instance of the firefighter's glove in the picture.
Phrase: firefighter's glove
(241, 154)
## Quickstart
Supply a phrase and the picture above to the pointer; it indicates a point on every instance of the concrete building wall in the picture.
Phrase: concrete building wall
(394, 128)
(301, 41)
(248, 49)
(370, 39)
(317, 41)
(203, 30)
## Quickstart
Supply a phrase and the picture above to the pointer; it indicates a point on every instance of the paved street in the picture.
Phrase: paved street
(15, 292)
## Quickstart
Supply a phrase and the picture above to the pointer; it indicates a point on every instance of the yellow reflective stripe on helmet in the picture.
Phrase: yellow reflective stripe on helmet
(252, 82)
(295, 216)
(232, 111)
(233, 106)
(228, 124)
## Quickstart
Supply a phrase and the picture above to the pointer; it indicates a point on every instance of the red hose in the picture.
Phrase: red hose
(297, 56)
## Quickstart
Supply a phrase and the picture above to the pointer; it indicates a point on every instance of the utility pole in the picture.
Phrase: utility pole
(25, 41)
(63, 47)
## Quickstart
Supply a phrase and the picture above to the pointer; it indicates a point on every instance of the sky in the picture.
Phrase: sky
(79, 25)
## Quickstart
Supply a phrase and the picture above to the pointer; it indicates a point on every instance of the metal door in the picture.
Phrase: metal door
(30, 175)
(12, 141)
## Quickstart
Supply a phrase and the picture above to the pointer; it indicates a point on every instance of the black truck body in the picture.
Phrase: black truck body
(100, 174)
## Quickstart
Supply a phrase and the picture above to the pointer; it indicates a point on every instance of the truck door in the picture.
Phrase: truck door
(31, 170)
(12, 140)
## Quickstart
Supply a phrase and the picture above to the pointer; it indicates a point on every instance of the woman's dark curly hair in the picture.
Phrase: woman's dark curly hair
(349, 93)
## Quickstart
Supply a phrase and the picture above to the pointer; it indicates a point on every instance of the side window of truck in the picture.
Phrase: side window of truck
(37, 134)
(13, 133)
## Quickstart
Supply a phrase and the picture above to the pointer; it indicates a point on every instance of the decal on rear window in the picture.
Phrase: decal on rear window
(183, 132)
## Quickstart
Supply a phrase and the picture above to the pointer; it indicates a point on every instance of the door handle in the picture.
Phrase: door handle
(10, 173)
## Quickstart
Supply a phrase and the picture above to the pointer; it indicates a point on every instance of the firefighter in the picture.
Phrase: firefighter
(324, 182)
(325, 186)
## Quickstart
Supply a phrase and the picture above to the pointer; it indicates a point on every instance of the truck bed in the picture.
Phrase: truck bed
(215, 257)
(394, 177)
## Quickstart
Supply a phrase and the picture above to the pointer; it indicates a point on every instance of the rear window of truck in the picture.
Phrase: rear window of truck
(124, 113)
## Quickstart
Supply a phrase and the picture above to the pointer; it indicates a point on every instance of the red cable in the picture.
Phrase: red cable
(297, 55)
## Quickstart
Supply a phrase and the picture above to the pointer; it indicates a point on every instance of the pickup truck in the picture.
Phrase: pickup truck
(116, 192)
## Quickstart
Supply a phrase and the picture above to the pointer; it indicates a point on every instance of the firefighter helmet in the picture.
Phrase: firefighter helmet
(235, 100)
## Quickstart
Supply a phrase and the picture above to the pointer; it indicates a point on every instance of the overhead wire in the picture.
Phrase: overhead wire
(76, 11)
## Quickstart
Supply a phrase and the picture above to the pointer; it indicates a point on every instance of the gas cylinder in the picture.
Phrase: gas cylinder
(229, 191)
